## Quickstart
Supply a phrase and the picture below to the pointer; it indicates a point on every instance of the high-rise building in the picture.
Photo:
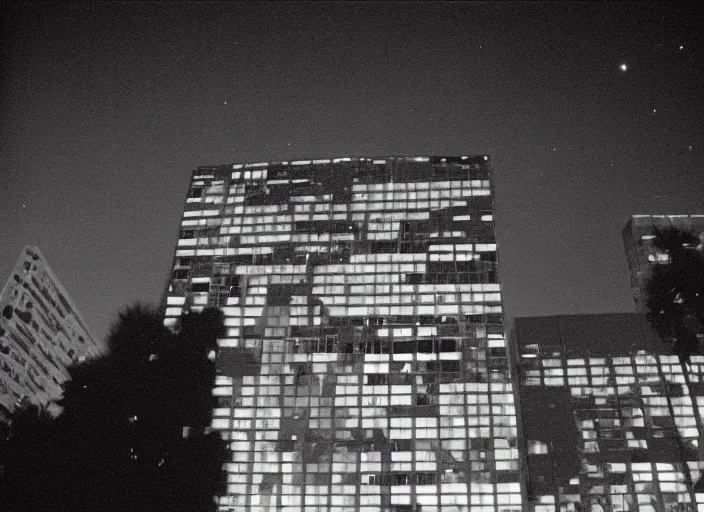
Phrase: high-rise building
(41, 333)
(365, 365)
(609, 420)
(641, 252)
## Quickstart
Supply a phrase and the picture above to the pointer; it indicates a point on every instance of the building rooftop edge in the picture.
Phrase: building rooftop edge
(566, 315)
(326, 160)
(667, 215)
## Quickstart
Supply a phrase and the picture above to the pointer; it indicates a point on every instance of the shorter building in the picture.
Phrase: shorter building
(41, 334)
(641, 253)
(609, 421)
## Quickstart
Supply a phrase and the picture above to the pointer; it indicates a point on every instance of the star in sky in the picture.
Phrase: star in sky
(623, 67)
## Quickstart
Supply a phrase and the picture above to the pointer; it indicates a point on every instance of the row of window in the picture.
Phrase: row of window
(267, 249)
(226, 506)
(385, 423)
(419, 185)
(371, 496)
(356, 187)
(427, 492)
(641, 358)
(497, 391)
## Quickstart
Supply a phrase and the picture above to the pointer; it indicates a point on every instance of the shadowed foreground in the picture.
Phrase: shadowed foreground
(133, 434)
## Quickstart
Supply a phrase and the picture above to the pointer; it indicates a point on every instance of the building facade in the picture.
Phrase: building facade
(41, 333)
(641, 252)
(365, 365)
(609, 420)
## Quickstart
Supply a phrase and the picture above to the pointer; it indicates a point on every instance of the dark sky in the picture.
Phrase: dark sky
(106, 108)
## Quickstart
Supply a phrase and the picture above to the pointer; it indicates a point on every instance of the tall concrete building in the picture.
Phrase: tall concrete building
(365, 365)
(41, 333)
(641, 252)
(609, 420)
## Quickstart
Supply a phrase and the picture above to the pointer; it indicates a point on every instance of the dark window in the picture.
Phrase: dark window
(404, 347)
(327, 344)
(195, 192)
(200, 287)
(422, 400)
(235, 288)
(377, 379)
(478, 174)
(263, 259)
(414, 278)
(494, 319)
(251, 331)
(180, 274)
(426, 478)
(376, 347)
(449, 366)
(401, 479)
(425, 346)
(448, 346)
(243, 259)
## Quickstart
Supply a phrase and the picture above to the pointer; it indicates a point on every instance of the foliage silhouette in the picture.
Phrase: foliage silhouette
(28, 474)
(675, 291)
(133, 434)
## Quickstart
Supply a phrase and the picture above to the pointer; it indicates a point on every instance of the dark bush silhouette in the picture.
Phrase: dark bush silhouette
(133, 434)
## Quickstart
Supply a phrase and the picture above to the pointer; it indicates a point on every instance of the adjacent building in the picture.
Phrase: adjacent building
(365, 365)
(641, 252)
(41, 333)
(609, 419)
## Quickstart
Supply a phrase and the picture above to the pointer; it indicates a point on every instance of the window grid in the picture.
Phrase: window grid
(378, 377)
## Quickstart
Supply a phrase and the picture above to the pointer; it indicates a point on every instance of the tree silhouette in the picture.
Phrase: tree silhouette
(133, 434)
(675, 302)
(29, 476)
(675, 292)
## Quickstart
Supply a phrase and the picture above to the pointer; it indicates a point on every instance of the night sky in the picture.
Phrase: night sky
(106, 108)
